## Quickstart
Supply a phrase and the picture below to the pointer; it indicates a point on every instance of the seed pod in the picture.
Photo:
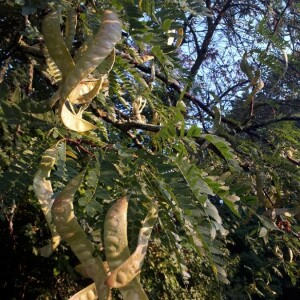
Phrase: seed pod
(116, 246)
(71, 232)
(71, 24)
(88, 97)
(88, 293)
(43, 191)
(79, 95)
(125, 273)
(75, 122)
(98, 49)
(55, 43)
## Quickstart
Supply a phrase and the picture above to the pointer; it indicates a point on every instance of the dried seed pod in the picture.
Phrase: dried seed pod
(55, 43)
(97, 50)
(88, 293)
(85, 91)
(116, 246)
(43, 191)
(88, 97)
(75, 122)
(125, 273)
(71, 232)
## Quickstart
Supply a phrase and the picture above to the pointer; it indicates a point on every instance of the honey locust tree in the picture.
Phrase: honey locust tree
(149, 149)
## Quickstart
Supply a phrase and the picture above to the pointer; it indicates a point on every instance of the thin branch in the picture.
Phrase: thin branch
(292, 160)
(232, 88)
(266, 123)
(176, 87)
(276, 26)
(127, 125)
(211, 27)
(11, 49)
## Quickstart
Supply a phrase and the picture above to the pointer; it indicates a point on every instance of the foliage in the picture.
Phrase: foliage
(185, 111)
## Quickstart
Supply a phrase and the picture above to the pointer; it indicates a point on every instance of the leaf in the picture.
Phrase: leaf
(194, 131)
(52, 69)
(212, 211)
(74, 122)
(192, 176)
(224, 148)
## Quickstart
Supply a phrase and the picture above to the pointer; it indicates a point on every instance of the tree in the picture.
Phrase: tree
(164, 131)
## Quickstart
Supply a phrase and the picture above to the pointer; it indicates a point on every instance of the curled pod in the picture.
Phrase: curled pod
(71, 232)
(43, 191)
(127, 271)
(80, 95)
(55, 43)
(116, 246)
(97, 50)
(75, 122)
(88, 97)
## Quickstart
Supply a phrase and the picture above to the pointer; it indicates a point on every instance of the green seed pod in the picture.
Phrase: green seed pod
(116, 246)
(55, 43)
(43, 191)
(71, 232)
(127, 271)
(98, 49)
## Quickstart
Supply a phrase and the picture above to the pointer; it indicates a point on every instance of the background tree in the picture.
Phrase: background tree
(196, 110)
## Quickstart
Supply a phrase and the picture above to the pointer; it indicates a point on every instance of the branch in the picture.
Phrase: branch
(11, 49)
(266, 123)
(31, 50)
(176, 87)
(211, 27)
(128, 125)
(232, 88)
(292, 160)
(276, 26)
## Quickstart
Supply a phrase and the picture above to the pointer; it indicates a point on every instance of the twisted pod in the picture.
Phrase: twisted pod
(128, 270)
(43, 191)
(74, 75)
(71, 232)
(97, 50)
(116, 246)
